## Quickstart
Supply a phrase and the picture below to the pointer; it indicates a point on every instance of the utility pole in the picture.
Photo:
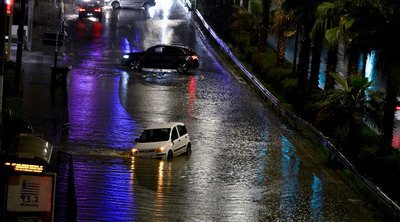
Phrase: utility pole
(20, 44)
(3, 23)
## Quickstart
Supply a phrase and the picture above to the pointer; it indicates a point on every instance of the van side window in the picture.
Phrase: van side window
(182, 130)
(174, 135)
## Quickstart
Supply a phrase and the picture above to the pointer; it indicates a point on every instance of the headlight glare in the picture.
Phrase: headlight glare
(160, 149)
(126, 56)
(134, 151)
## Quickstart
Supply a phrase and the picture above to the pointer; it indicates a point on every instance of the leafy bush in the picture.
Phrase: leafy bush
(290, 89)
(261, 62)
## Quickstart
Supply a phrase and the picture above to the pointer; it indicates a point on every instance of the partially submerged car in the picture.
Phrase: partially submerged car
(92, 9)
(163, 141)
(116, 4)
(178, 57)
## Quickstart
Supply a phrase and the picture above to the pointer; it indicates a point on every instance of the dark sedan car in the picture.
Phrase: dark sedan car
(90, 9)
(181, 58)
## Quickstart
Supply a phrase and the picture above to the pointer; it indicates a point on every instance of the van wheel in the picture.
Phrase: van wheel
(146, 6)
(189, 149)
(170, 155)
(182, 68)
(115, 5)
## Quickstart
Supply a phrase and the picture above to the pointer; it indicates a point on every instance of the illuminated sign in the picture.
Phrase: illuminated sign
(29, 193)
(25, 167)
(30, 198)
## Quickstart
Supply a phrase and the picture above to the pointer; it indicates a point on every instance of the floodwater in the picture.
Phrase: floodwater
(245, 164)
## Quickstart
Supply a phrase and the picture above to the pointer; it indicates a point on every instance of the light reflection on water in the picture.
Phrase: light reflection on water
(290, 169)
(112, 197)
(317, 199)
(97, 115)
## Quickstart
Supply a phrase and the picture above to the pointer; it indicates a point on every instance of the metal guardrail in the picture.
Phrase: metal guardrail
(296, 122)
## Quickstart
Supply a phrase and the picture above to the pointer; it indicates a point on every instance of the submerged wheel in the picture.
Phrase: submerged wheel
(146, 6)
(135, 65)
(170, 155)
(182, 68)
(189, 149)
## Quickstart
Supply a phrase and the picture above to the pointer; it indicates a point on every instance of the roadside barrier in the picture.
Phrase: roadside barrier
(298, 123)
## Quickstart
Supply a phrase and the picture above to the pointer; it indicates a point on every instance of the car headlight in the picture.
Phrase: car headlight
(160, 149)
(134, 151)
(125, 56)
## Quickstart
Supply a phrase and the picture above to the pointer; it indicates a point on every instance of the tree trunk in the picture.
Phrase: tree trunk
(262, 47)
(352, 67)
(331, 63)
(246, 4)
(280, 58)
(303, 64)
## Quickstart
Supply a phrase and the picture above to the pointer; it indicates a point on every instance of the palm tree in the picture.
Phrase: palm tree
(304, 16)
(327, 21)
(283, 27)
(246, 23)
(348, 107)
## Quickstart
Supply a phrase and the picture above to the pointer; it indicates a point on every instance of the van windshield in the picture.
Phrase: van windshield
(154, 135)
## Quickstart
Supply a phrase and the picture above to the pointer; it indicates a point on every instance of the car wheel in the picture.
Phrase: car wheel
(115, 5)
(170, 155)
(189, 149)
(135, 65)
(182, 68)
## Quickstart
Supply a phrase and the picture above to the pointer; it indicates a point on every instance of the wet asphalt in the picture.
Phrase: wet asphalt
(246, 164)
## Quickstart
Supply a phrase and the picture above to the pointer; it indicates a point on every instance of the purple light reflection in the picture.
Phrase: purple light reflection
(96, 114)
(128, 47)
(114, 192)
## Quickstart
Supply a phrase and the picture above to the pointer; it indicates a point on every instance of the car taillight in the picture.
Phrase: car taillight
(81, 9)
(97, 9)
(398, 107)
(194, 57)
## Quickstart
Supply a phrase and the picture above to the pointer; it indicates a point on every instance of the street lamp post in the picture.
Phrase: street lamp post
(3, 23)
(20, 42)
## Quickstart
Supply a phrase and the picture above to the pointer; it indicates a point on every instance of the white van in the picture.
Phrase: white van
(116, 4)
(163, 141)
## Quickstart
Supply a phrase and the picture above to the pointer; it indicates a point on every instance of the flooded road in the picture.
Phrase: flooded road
(245, 164)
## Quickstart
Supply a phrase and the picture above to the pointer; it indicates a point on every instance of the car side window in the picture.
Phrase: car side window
(168, 50)
(182, 130)
(173, 51)
(154, 50)
(158, 50)
(174, 135)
